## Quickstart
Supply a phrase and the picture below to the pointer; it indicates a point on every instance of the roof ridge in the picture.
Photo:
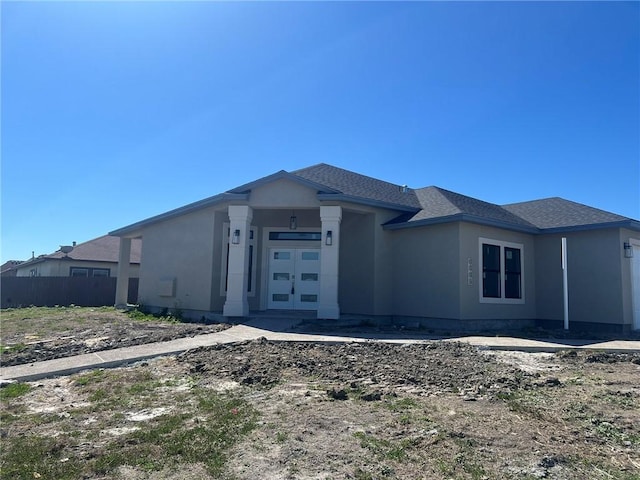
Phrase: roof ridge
(440, 191)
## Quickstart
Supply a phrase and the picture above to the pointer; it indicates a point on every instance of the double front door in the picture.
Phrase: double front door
(294, 278)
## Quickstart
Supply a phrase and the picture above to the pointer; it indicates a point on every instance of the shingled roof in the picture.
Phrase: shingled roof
(356, 186)
(557, 212)
(101, 249)
(435, 201)
(416, 207)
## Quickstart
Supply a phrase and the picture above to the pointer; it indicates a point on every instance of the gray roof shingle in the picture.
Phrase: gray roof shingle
(438, 203)
(101, 249)
(359, 186)
(560, 213)
(420, 206)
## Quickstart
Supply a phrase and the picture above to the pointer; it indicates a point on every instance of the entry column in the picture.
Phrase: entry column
(329, 255)
(122, 283)
(237, 304)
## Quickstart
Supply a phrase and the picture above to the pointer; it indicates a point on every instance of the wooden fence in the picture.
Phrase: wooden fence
(63, 291)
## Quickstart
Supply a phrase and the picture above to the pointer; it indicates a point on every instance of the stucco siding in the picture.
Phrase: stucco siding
(595, 277)
(471, 308)
(177, 260)
(283, 194)
(425, 272)
(356, 264)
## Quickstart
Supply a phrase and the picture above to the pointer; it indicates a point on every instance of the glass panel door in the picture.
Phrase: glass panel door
(307, 276)
(281, 287)
(294, 279)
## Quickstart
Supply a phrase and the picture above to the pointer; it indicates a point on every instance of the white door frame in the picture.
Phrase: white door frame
(265, 247)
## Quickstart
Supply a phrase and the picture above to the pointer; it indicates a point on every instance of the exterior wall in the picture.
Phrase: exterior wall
(595, 278)
(283, 194)
(176, 265)
(61, 268)
(384, 265)
(425, 275)
(356, 292)
(469, 248)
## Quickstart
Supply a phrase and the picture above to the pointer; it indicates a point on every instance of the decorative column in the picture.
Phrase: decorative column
(237, 304)
(122, 283)
(329, 255)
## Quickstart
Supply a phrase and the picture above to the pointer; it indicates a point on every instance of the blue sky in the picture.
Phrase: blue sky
(113, 112)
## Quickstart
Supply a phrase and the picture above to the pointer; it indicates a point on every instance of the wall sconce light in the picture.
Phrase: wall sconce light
(235, 239)
(628, 250)
(293, 222)
(329, 238)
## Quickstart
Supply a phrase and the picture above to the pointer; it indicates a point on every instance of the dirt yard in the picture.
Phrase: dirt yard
(35, 334)
(315, 411)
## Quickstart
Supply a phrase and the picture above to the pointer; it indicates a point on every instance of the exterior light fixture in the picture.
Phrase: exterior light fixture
(235, 239)
(293, 222)
(329, 238)
(628, 250)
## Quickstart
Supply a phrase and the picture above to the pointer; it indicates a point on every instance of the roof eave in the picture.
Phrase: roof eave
(630, 224)
(339, 197)
(462, 217)
(192, 207)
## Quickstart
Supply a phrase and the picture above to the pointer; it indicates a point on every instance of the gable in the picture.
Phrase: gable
(283, 193)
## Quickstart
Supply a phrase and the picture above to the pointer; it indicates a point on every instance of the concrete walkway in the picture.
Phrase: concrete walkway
(281, 330)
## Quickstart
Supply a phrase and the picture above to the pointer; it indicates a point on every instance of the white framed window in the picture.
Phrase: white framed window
(100, 272)
(89, 272)
(502, 271)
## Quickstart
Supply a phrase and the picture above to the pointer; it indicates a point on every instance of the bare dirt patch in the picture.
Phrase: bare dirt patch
(354, 411)
(36, 334)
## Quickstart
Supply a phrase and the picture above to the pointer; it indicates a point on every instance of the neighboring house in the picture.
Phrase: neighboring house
(9, 268)
(336, 242)
(95, 258)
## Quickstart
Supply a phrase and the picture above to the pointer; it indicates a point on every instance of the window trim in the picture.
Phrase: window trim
(502, 299)
(90, 272)
(74, 270)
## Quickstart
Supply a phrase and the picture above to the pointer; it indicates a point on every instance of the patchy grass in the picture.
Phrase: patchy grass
(14, 390)
(17, 347)
(36, 456)
(203, 431)
(141, 316)
(35, 323)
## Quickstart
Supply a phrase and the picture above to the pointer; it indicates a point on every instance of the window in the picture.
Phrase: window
(502, 272)
(89, 272)
(297, 235)
(79, 272)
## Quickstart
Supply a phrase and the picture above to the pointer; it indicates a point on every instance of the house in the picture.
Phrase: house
(335, 242)
(8, 268)
(95, 258)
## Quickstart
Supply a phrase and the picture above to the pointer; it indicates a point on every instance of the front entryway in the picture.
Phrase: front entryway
(294, 278)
